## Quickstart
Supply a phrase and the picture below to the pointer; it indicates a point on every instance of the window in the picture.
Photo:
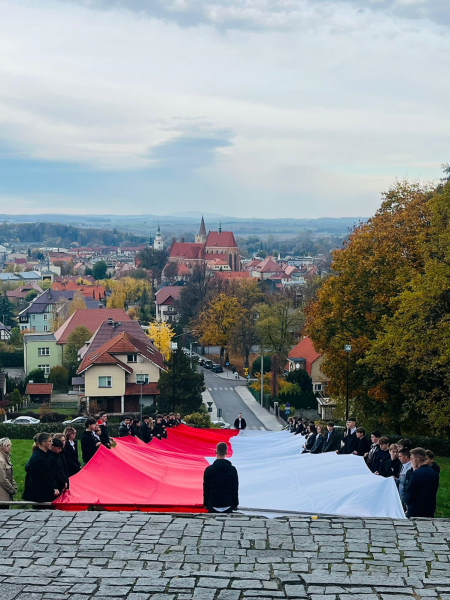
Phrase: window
(45, 317)
(105, 382)
(132, 358)
(43, 351)
(33, 317)
(45, 328)
(141, 378)
(45, 368)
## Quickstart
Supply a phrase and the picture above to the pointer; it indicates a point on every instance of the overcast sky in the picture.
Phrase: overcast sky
(270, 108)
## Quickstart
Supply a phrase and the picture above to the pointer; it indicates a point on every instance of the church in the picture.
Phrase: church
(217, 250)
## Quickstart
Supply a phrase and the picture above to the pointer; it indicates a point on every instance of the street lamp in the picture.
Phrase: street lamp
(142, 383)
(174, 348)
(347, 349)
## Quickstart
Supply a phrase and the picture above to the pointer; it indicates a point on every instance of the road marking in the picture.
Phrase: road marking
(221, 388)
(215, 389)
(209, 389)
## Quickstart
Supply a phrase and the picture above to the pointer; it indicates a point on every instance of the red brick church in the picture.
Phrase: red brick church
(217, 250)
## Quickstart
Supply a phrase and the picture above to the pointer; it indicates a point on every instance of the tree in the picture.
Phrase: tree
(214, 324)
(243, 335)
(171, 271)
(99, 270)
(161, 334)
(59, 376)
(77, 303)
(278, 322)
(36, 376)
(256, 365)
(31, 295)
(139, 274)
(192, 296)
(153, 260)
(16, 398)
(201, 420)
(187, 385)
(6, 311)
(300, 378)
(76, 340)
(16, 339)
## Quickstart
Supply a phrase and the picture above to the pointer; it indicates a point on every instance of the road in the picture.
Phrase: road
(224, 396)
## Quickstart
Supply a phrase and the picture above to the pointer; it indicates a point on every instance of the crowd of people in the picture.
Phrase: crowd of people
(414, 470)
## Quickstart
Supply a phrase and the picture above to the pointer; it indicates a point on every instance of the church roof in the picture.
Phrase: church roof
(223, 239)
(202, 230)
(186, 250)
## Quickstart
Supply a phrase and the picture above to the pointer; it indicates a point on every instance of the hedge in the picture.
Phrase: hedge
(440, 446)
(27, 432)
(11, 359)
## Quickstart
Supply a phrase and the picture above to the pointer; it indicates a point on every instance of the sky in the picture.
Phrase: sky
(247, 108)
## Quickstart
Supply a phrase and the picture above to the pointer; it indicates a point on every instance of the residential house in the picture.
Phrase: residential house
(304, 356)
(39, 392)
(109, 329)
(164, 302)
(40, 315)
(5, 332)
(18, 295)
(121, 370)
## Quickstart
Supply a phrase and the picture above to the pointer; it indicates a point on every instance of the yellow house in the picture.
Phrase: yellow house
(116, 373)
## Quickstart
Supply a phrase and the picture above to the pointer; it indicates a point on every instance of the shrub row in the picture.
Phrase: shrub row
(27, 432)
(440, 446)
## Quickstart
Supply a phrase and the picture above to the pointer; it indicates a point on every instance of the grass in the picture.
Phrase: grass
(21, 451)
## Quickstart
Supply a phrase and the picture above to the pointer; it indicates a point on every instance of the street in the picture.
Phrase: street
(224, 396)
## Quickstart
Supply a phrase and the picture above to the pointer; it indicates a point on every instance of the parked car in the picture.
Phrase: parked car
(217, 368)
(222, 424)
(22, 421)
(208, 364)
(201, 362)
(76, 421)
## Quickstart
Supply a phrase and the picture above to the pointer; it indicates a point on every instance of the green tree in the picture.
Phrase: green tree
(31, 295)
(154, 261)
(76, 340)
(59, 376)
(256, 365)
(301, 378)
(99, 270)
(6, 311)
(36, 376)
(277, 325)
(16, 339)
(186, 386)
(16, 398)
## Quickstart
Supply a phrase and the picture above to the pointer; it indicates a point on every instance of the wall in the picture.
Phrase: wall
(91, 381)
(32, 360)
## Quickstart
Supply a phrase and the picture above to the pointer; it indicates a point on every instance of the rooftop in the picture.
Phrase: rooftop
(91, 318)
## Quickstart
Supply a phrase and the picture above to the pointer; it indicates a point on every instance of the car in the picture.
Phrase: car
(222, 424)
(201, 361)
(76, 421)
(22, 421)
(208, 364)
(217, 368)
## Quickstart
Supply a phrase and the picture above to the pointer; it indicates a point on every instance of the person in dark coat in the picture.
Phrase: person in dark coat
(90, 443)
(420, 497)
(380, 455)
(135, 428)
(375, 437)
(124, 427)
(58, 465)
(104, 435)
(392, 465)
(70, 451)
(363, 444)
(320, 440)
(309, 444)
(221, 484)
(240, 422)
(145, 431)
(39, 484)
(431, 463)
(159, 431)
(332, 439)
(350, 440)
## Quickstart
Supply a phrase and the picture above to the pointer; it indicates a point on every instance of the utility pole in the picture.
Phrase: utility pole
(262, 379)
(347, 349)
(174, 347)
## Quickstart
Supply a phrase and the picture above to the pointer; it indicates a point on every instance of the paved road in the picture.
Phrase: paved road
(224, 396)
(56, 555)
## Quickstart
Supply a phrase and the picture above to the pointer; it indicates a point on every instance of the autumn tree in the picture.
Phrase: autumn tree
(75, 341)
(214, 324)
(78, 303)
(193, 295)
(161, 334)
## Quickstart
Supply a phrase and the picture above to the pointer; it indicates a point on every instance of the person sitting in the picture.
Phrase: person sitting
(320, 440)
(58, 465)
(221, 484)
(363, 444)
(70, 451)
(405, 473)
(145, 431)
(288, 426)
(104, 435)
(90, 442)
(39, 483)
(375, 438)
(404, 443)
(420, 497)
(8, 487)
(381, 455)
(350, 440)
(391, 466)
(310, 439)
(135, 428)
(431, 463)
(299, 428)
(332, 440)
(124, 427)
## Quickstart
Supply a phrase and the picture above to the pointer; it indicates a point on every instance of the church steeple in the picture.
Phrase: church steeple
(201, 237)
(158, 244)
(220, 226)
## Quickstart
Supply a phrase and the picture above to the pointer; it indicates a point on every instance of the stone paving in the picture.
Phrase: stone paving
(139, 556)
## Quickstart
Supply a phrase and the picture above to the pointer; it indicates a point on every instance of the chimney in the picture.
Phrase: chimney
(110, 321)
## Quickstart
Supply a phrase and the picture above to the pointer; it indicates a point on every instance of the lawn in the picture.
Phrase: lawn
(21, 451)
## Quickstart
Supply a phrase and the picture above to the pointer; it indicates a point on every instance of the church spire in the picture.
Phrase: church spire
(201, 237)
(220, 226)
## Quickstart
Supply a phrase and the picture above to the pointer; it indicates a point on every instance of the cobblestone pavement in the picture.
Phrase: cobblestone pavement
(138, 556)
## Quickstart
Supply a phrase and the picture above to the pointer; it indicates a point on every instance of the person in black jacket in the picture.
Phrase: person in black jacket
(221, 484)
(135, 428)
(90, 443)
(70, 451)
(104, 435)
(145, 431)
(240, 422)
(380, 455)
(320, 440)
(420, 497)
(431, 463)
(391, 466)
(332, 439)
(58, 465)
(350, 439)
(159, 431)
(311, 438)
(363, 444)
(39, 484)
(125, 427)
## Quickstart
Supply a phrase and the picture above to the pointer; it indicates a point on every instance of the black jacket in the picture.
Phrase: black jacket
(88, 446)
(319, 443)
(363, 446)
(124, 430)
(220, 485)
(299, 429)
(39, 484)
(104, 435)
(420, 496)
(146, 432)
(71, 456)
(350, 443)
(390, 467)
(333, 443)
(135, 431)
(379, 457)
(310, 442)
(159, 430)
(243, 424)
(59, 469)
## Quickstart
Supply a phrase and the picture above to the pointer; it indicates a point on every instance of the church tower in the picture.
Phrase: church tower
(158, 243)
(201, 237)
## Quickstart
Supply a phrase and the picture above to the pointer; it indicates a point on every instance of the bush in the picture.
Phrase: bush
(16, 398)
(256, 365)
(440, 446)
(197, 419)
(53, 417)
